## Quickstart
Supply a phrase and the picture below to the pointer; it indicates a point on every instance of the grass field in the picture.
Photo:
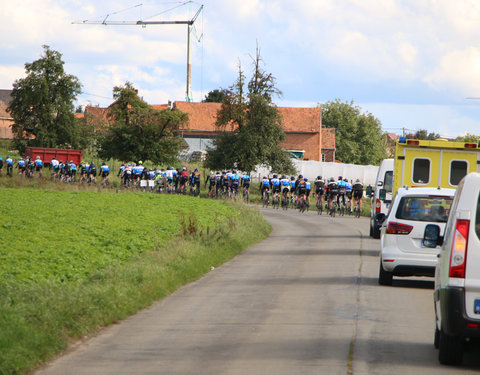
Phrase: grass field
(73, 262)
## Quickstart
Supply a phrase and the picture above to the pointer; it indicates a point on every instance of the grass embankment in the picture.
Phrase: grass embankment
(73, 262)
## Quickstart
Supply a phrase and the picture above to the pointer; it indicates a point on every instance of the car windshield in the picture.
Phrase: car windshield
(424, 208)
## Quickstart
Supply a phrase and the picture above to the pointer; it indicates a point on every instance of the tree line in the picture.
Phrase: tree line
(248, 122)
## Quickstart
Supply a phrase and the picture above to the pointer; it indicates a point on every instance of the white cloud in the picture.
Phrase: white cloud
(458, 71)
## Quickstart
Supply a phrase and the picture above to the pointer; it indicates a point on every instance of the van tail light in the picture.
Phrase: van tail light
(398, 228)
(378, 205)
(458, 257)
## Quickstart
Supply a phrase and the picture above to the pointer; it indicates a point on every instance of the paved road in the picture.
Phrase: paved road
(304, 301)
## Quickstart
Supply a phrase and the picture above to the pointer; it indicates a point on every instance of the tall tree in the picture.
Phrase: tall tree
(214, 96)
(140, 132)
(42, 104)
(250, 125)
(359, 138)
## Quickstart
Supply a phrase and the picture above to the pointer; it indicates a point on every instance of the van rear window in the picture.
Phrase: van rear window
(421, 171)
(424, 208)
(388, 181)
(458, 170)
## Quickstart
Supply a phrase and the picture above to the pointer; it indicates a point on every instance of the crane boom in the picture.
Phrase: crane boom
(189, 23)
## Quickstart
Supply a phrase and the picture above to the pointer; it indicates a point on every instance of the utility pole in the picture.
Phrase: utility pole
(189, 24)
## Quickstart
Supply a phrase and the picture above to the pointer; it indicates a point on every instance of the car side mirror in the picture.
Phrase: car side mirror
(431, 236)
(382, 194)
(380, 183)
(380, 217)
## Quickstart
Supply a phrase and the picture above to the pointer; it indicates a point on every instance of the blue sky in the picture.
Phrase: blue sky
(411, 63)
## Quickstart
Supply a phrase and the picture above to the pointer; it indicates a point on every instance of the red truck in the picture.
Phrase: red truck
(47, 154)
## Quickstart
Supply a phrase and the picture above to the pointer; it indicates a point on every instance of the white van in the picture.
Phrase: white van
(457, 274)
(382, 196)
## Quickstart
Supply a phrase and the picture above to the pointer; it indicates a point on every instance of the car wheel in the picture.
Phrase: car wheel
(450, 349)
(384, 277)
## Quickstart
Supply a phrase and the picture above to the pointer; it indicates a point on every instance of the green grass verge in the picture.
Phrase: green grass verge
(73, 262)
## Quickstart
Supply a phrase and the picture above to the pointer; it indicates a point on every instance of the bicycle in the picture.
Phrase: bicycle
(319, 205)
(285, 201)
(302, 203)
(246, 194)
(266, 198)
(275, 200)
(333, 208)
(357, 208)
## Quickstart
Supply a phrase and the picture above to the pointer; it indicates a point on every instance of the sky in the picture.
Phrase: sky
(413, 64)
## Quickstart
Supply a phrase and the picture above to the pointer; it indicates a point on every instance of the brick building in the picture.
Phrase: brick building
(302, 126)
(6, 120)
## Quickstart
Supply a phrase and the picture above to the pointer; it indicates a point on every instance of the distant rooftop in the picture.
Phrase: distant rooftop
(5, 96)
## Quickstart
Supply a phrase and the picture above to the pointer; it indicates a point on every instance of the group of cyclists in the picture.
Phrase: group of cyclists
(333, 195)
(330, 195)
(26, 166)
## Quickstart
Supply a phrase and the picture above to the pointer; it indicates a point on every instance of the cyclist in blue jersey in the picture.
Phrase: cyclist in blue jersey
(342, 189)
(264, 186)
(104, 172)
(195, 182)
(38, 166)
(92, 172)
(73, 170)
(245, 182)
(234, 182)
(21, 166)
(9, 162)
(348, 194)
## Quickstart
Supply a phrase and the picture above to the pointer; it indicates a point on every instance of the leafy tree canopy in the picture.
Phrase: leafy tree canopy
(468, 138)
(358, 138)
(214, 96)
(423, 134)
(250, 126)
(140, 132)
(42, 104)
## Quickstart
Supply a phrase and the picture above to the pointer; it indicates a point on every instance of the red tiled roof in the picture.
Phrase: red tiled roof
(79, 115)
(202, 116)
(304, 120)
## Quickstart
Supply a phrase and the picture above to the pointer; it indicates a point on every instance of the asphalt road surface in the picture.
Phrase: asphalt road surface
(304, 301)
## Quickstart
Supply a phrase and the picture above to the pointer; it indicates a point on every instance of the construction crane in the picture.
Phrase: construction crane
(142, 23)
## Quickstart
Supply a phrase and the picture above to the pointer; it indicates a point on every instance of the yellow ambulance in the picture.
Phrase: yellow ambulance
(438, 163)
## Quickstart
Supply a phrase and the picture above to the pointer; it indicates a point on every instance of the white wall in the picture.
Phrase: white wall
(311, 169)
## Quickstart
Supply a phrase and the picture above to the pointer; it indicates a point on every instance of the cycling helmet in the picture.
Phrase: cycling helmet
(275, 176)
(196, 170)
(38, 157)
(234, 172)
(139, 162)
(357, 180)
(104, 163)
(300, 176)
(319, 177)
(283, 177)
(306, 179)
(340, 177)
(264, 177)
(184, 169)
(129, 165)
(332, 179)
(292, 178)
